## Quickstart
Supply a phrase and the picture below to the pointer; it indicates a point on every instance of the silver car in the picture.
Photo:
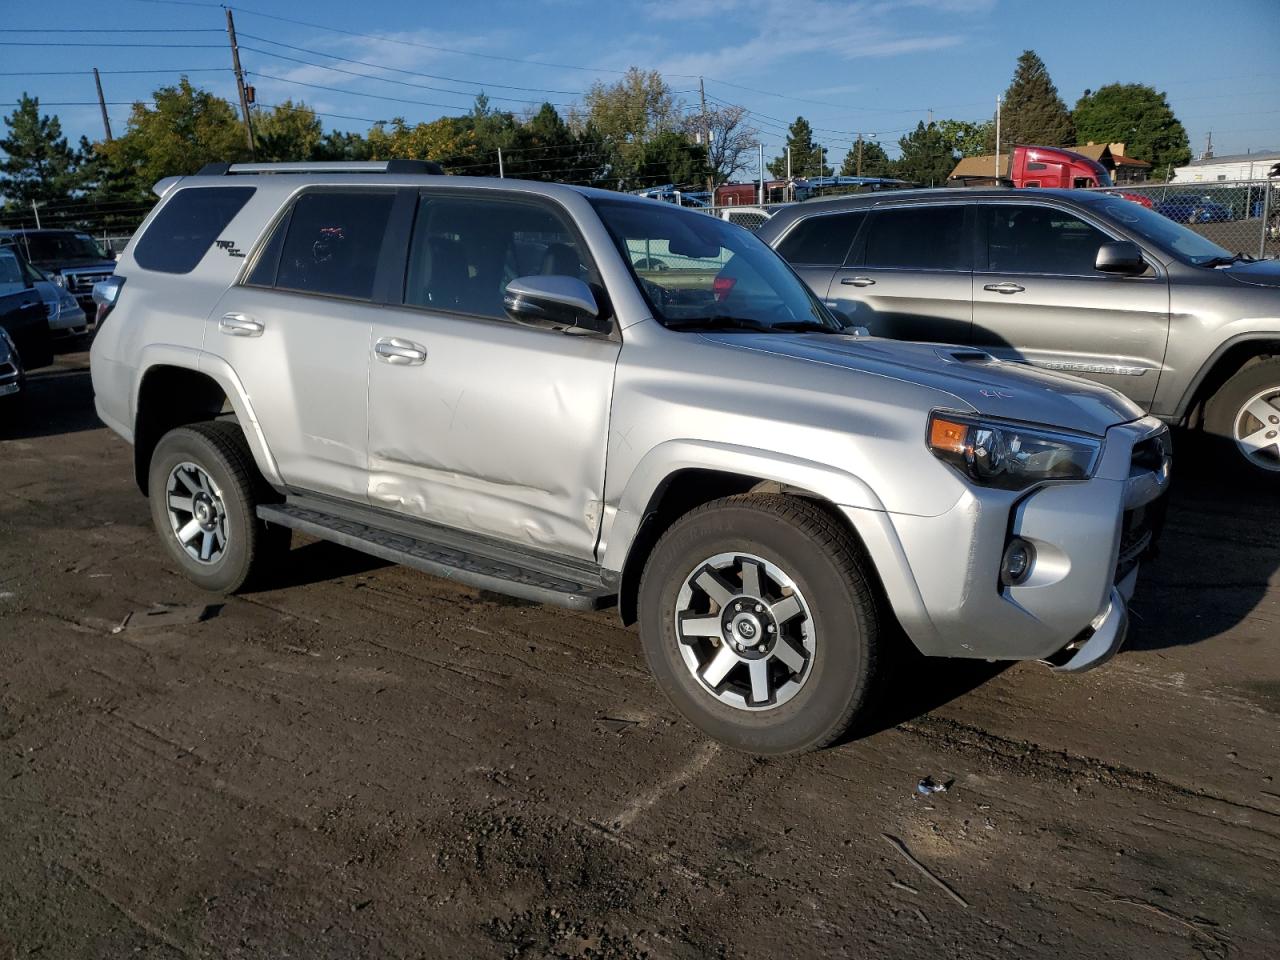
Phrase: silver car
(584, 398)
(1072, 280)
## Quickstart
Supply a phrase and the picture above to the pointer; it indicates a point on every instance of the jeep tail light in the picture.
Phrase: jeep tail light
(721, 286)
(106, 293)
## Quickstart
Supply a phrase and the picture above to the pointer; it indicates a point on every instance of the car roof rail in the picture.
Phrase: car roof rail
(324, 166)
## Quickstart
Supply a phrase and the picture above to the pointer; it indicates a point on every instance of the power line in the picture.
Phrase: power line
(89, 73)
(353, 93)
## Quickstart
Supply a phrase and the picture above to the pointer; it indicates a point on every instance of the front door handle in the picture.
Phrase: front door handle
(857, 281)
(400, 352)
(238, 325)
(1007, 287)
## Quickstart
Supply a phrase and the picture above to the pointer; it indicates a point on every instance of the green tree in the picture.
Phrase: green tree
(290, 131)
(38, 165)
(668, 157)
(806, 154)
(337, 145)
(967, 138)
(1136, 115)
(187, 128)
(1033, 113)
(635, 108)
(874, 162)
(927, 157)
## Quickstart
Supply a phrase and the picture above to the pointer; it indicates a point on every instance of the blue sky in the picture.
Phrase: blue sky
(877, 66)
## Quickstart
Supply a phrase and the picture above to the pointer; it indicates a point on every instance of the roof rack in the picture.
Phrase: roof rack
(324, 166)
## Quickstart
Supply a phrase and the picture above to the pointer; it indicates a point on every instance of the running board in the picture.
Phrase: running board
(484, 564)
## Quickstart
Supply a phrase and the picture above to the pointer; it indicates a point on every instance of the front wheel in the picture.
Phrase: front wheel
(759, 623)
(1246, 412)
(204, 490)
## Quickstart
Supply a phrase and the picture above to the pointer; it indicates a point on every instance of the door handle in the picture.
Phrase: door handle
(1007, 287)
(238, 325)
(400, 352)
(857, 281)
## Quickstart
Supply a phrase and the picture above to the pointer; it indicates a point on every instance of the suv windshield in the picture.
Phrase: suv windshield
(55, 247)
(698, 272)
(1160, 230)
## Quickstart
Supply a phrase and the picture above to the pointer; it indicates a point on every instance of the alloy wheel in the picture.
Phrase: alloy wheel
(745, 631)
(1257, 429)
(196, 512)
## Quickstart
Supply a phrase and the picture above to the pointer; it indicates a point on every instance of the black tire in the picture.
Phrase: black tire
(218, 448)
(1224, 420)
(828, 570)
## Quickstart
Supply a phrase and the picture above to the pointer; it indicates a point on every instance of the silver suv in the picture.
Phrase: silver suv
(1071, 280)
(584, 398)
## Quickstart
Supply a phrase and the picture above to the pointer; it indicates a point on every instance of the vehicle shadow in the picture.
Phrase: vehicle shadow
(317, 561)
(917, 685)
(55, 400)
(1218, 552)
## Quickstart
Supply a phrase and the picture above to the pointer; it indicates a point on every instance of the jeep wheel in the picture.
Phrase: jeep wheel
(204, 488)
(1246, 411)
(759, 624)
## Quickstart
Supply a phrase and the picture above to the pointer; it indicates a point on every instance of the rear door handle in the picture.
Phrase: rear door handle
(1007, 286)
(400, 352)
(857, 281)
(238, 325)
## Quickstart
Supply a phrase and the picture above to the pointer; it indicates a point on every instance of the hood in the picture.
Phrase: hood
(1259, 273)
(82, 263)
(976, 381)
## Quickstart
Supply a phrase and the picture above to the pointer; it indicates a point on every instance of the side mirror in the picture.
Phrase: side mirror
(1120, 257)
(554, 302)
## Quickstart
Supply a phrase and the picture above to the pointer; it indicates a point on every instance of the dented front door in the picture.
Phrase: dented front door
(489, 426)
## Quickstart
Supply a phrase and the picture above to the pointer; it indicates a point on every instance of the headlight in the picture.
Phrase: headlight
(1010, 456)
(7, 349)
(59, 279)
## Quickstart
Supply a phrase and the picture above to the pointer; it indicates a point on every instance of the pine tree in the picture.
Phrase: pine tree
(874, 163)
(806, 154)
(927, 158)
(1033, 113)
(38, 164)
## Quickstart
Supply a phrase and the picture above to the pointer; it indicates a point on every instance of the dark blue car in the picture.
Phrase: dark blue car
(1190, 208)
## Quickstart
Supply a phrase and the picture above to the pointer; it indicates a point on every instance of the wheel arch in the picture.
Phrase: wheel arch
(1230, 358)
(172, 391)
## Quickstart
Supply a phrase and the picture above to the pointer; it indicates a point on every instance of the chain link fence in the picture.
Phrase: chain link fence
(1241, 215)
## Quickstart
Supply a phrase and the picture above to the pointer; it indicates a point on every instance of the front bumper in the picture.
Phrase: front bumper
(1071, 609)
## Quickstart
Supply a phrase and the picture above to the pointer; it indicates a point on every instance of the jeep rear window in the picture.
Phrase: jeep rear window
(333, 243)
(821, 240)
(186, 226)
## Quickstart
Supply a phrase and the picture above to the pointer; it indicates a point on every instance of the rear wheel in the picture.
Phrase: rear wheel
(759, 623)
(1246, 413)
(204, 491)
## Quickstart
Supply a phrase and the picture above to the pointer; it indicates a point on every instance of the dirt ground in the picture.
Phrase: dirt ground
(368, 762)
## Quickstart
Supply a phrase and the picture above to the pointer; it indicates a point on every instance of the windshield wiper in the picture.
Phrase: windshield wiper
(718, 321)
(1225, 261)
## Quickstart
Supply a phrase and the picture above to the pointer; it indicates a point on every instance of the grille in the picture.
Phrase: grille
(82, 283)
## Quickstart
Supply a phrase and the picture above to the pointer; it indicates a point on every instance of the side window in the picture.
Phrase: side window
(465, 250)
(919, 238)
(1036, 239)
(11, 279)
(186, 226)
(333, 242)
(821, 240)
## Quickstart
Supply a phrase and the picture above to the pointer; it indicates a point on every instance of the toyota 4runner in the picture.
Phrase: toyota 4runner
(583, 398)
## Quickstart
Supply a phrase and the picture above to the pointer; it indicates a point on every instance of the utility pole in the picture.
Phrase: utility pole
(102, 104)
(36, 210)
(761, 174)
(706, 139)
(501, 175)
(999, 99)
(859, 167)
(244, 96)
(788, 164)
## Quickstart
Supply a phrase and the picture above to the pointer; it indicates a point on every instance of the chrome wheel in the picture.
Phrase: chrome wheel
(745, 631)
(196, 513)
(1257, 429)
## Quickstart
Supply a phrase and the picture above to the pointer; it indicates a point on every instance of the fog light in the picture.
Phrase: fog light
(1016, 565)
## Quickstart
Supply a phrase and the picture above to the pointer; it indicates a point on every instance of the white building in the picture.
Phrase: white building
(1240, 166)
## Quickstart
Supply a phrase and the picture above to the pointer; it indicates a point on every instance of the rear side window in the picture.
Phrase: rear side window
(333, 242)
(186, 226)
(822, 240)
(919, 238)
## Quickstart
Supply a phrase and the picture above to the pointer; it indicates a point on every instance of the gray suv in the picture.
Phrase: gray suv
(584, 398)
(1087, 283)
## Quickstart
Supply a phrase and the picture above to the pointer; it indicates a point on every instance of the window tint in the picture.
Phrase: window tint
(264, 271)
(333, 243)
(464, 252)
(821, 240)
(186, 227)
(11, 279)
(1034, 239)
(919, 238)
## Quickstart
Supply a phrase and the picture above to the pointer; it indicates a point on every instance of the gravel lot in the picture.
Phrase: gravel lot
(369, 762)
